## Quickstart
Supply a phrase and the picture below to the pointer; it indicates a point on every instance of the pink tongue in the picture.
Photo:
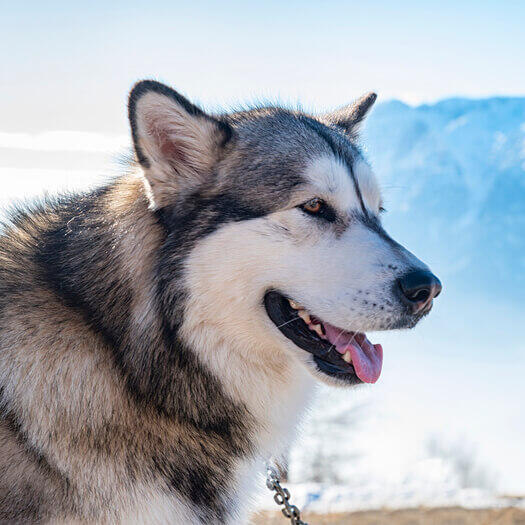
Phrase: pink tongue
(367, 358)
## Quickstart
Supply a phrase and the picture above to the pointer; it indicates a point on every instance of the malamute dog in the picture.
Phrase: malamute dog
(160, 336)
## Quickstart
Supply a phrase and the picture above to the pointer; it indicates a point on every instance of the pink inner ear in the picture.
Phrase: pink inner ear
(169, 148)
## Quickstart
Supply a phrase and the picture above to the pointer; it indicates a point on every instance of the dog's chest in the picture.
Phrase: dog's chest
(155, 507)
(158, 508)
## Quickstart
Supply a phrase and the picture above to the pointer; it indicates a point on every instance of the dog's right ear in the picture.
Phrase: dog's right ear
(350, 117)
(176, 143)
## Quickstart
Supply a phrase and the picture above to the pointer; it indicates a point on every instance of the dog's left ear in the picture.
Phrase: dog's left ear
(350, 117)
(176, 143)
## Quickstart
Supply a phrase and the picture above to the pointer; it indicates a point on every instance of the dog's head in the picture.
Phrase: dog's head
(274, 239)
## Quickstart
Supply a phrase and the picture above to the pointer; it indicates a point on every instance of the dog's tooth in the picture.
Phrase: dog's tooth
(317, 328)
(347, 357)
(294, 305)
(304, 316)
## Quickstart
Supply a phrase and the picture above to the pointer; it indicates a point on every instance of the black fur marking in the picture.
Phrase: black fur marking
(324, 133)
(70, 265)
(173, 361)
(24, 503)
(10, 420)
(198, 483)
(372, 223)
(358, 192)
(342, 149)
(79, 262)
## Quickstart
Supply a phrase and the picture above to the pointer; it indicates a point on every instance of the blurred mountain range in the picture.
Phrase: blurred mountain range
(453, 175)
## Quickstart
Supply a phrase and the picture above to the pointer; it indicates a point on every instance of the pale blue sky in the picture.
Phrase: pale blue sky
(68, 65)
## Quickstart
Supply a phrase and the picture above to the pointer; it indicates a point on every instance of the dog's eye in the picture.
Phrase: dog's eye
(318, 208)
(313, 206)
(382, 209)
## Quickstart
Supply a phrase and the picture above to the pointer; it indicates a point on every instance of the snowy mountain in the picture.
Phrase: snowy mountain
(454, 179)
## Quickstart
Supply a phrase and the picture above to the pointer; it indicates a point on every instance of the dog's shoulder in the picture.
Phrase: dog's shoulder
(26, 489)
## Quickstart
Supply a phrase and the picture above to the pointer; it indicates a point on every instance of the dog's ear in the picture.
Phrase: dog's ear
(176, 143)
(350, 117)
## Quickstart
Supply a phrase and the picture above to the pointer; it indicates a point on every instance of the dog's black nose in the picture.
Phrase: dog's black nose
(419, 288)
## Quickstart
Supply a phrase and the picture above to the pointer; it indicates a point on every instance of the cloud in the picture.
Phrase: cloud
(20, 185)
(64, 141)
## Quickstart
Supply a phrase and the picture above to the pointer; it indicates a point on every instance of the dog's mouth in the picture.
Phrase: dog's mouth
(345, 355)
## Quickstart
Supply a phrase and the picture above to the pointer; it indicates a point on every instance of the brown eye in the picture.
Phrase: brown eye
(313, 206)
(318, 209)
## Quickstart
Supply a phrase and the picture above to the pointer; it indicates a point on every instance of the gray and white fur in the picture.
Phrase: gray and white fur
(141, 377)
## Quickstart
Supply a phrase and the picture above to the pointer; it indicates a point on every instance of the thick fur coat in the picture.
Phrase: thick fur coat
(141, 378)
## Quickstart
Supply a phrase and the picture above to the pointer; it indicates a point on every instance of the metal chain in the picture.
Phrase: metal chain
(282, 496)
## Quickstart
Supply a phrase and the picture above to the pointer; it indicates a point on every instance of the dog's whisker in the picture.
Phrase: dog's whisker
(336, 339)
(290, 321)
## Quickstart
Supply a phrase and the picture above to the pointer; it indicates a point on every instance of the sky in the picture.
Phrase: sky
(69, 65)
(67, 68)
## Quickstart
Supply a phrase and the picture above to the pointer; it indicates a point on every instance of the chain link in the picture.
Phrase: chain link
(282, 496)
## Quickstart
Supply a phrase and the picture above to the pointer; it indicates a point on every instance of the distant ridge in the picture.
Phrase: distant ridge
(454, 178)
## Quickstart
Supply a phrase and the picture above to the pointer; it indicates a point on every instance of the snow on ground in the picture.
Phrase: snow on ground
(324, 498)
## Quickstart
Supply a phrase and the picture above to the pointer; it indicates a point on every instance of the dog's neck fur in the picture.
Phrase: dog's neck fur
(264, 393)
(244, 401)
(255, 376)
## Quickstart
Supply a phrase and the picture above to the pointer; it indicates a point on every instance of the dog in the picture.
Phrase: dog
(161, 335)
